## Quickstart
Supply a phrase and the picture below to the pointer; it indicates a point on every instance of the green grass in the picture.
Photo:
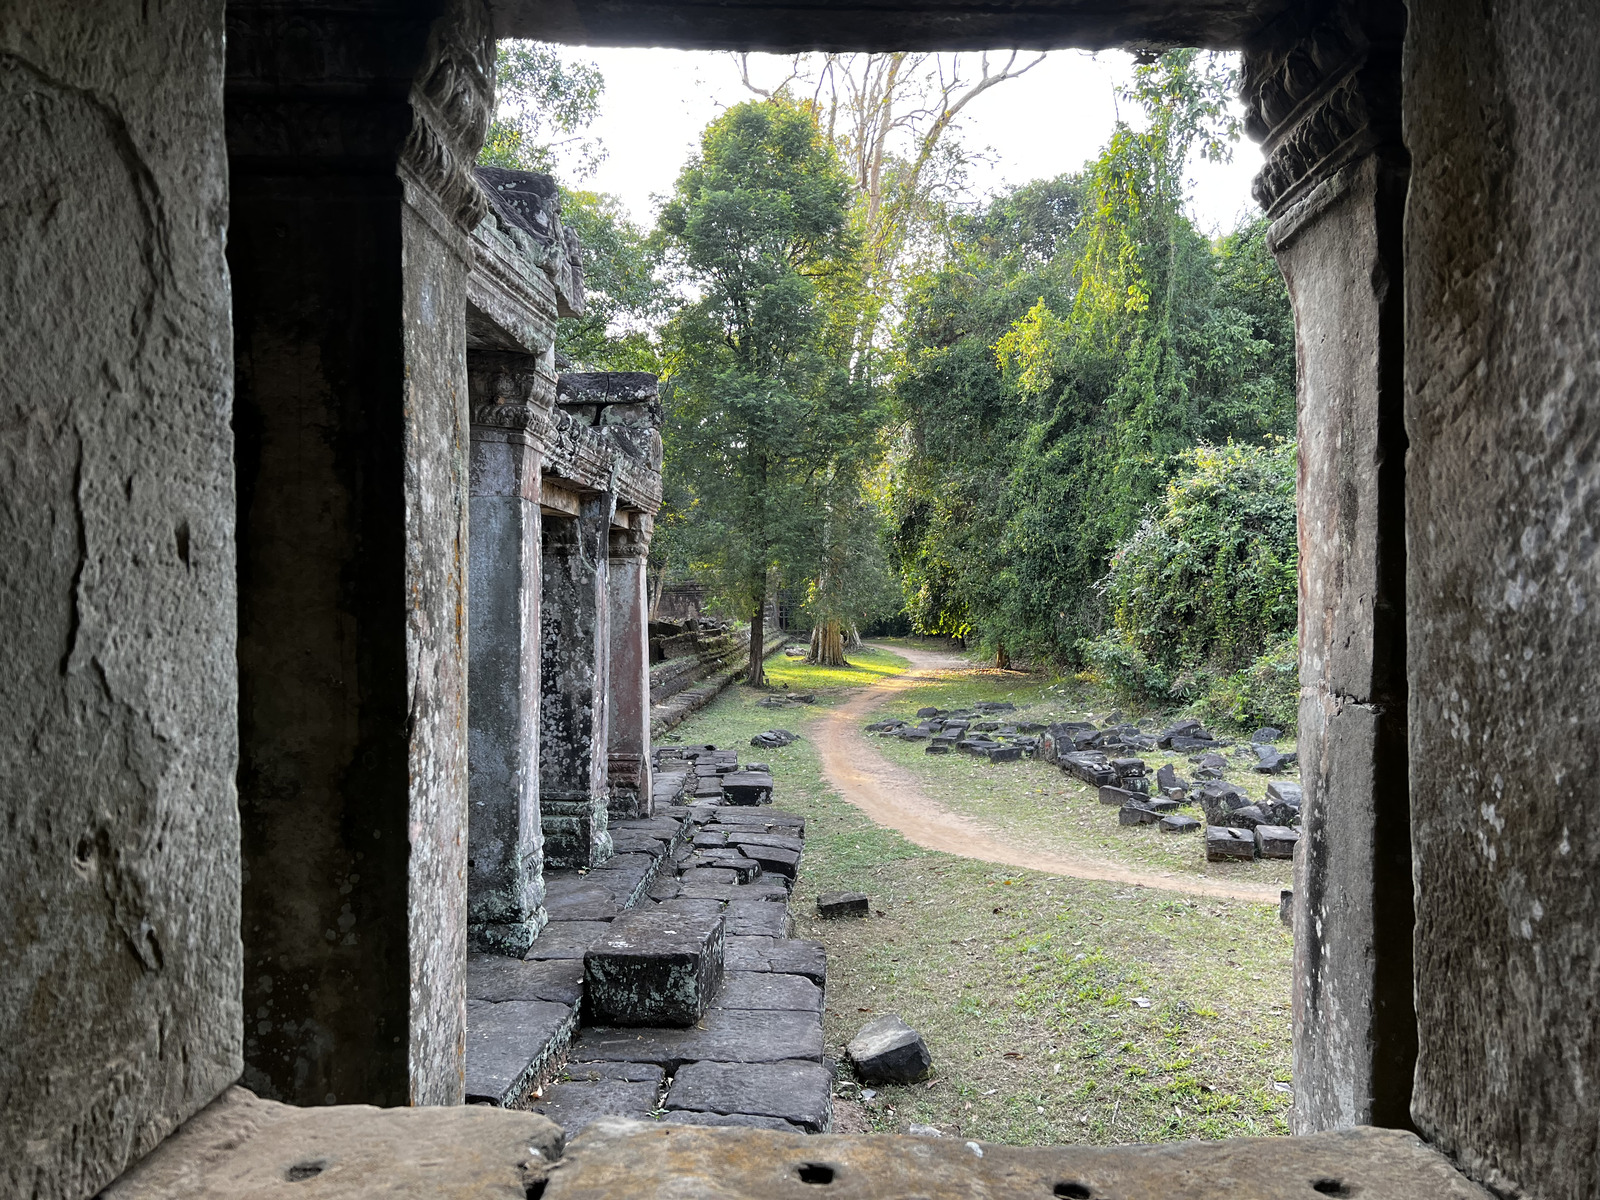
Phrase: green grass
(1024, 984)
(867, 665)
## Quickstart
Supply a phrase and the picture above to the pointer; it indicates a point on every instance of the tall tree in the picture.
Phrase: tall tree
(757, 226)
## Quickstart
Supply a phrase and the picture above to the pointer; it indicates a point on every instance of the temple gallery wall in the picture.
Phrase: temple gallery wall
(323, 607)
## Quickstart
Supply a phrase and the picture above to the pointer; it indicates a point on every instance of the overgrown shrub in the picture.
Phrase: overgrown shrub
(1203, 596)
(1267, 692)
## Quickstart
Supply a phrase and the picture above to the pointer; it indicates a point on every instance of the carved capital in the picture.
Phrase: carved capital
(1321, 93)
(452, 102)
(633, 542)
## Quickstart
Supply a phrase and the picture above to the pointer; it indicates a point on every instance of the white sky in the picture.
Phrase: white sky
(1050, 121)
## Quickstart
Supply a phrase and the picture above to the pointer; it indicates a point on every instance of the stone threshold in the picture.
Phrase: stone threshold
(243, 1146)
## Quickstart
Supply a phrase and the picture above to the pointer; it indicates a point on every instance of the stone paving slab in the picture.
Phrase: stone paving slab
(783, 841)
(763, 989)
(565, 939)
(511, 1045)
(494, 977)
(723, 1035)
(575, 898)
(617, 1159)
(797, 1092)
(787, 956)
(628, 1072)
(574, 1105)
(759, 917)
(796, 956)
(705, 877)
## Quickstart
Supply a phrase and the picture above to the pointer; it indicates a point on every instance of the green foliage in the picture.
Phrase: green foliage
(1267, 692)
(1211, 578)
(1081, 337)
(625, 294)
(543, 102)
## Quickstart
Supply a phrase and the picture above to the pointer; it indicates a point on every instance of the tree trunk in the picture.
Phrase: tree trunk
(853, 642)
(661, 586)
(827, 645)
(1002, 660)
(757, 674)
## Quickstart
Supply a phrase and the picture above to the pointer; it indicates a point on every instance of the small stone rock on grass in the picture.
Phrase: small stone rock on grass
(843, 904)
(887, 1050)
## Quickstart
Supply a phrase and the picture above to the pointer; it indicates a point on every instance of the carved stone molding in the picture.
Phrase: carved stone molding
(452, 102)
(1321, 93)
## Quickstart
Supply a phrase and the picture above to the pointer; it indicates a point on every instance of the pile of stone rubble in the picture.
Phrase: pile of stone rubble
(980, 731)
(667, 984)
(1235, 826)
(1106, 756)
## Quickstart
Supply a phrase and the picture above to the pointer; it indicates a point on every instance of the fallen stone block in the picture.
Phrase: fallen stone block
(1281, 791)
(1088, 768)
(1276, 841)
(929, 712)
(657, 966)
(1159, 804)
(1265, 735)
(1133, 814)
(843, 904)
(797, 1092)
(887, 1050)
(1005, 754)
(1286, 907)
(1247, 817)
(1225, 844)
(774, 739)
(1128, 768)
(1168, 779)
(1118, 796)
(1178, 824)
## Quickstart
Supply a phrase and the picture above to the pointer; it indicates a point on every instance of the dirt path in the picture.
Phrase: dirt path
(890, 796)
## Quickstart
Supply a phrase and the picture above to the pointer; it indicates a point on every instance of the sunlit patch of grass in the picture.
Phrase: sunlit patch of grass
(867, 665)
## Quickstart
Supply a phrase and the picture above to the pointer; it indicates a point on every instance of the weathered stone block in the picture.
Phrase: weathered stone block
(1118, 796)
(887, 1050)
(1178, 824)
(1276, 841)
(1134, 814)
(1224, 844)
(655, 967)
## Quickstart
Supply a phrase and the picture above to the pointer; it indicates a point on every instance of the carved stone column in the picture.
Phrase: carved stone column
(629, 744)
(1323, 96)
(575, 643)
(351, 131)
(505, 841)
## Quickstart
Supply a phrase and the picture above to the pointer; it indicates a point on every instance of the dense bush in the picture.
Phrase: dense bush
(1202, 598)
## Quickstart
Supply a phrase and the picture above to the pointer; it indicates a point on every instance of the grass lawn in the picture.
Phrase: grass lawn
(1056, 1010)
